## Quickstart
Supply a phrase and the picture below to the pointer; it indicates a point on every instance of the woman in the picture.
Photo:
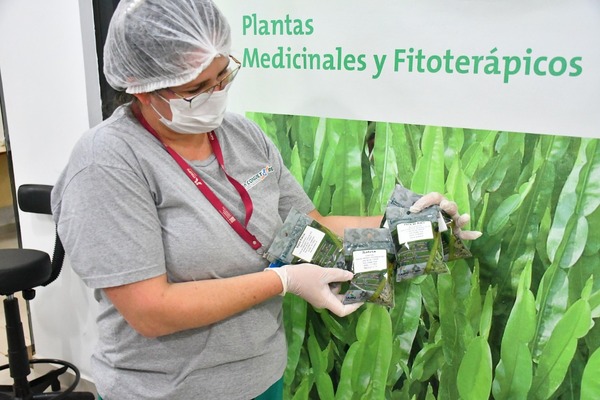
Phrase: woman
(153, 216)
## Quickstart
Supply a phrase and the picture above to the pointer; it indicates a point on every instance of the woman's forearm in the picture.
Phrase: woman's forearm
(155, 307)
(337, 223)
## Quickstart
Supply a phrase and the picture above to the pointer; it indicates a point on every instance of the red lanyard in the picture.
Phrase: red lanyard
(206, 191)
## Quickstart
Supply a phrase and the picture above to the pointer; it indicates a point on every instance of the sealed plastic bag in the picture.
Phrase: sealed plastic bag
(302, 239)
(369, 254)
(418, 242)
(453, 247)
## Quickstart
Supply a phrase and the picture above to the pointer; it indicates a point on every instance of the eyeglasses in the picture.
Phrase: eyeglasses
(202, 96)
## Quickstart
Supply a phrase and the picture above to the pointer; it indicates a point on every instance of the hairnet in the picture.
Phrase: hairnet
(154, 44)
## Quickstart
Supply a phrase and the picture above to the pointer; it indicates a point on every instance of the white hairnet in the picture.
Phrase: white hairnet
(154, 44)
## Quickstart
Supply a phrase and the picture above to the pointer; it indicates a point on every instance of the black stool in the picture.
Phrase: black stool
(21, 270)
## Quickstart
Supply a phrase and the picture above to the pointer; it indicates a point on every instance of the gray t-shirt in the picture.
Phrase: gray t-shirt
(127, 212)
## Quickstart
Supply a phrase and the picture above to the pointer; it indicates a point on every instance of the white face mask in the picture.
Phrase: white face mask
(197, 117)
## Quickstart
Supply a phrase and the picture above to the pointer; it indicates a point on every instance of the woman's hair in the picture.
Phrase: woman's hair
(123, 97)
(154, 44)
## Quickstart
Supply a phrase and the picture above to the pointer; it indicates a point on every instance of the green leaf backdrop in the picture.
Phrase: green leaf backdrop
(516, 321)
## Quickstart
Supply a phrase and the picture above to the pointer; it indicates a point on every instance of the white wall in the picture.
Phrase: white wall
(49, 74)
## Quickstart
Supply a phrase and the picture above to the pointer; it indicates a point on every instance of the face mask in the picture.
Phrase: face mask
(197, 117)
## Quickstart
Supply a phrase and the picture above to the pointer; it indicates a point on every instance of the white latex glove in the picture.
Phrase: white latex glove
(451, 209)
(311, 282)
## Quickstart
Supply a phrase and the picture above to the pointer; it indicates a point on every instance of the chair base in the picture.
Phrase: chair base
(38, 386)
(19, 366)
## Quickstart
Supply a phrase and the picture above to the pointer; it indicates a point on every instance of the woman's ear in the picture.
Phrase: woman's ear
(143, 98)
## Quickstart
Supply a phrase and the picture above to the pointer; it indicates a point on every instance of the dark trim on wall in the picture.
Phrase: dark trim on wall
(103, 11)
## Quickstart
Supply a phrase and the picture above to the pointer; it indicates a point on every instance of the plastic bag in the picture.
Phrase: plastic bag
(453, 247)
(370, 254)
(302, 239)
(418, 242)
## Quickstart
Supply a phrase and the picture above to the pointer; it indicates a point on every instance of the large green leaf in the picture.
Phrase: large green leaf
(366, 365)
(472, 159)
(514, 371)
(485, 323)
(414, 134)
(322, 198)
(551, 302)
(590, 384)
(280, 126)
(338, 327)
(430, 296)
(456, 330)
(475, 372)
(385, 168)
(428, 361)
(570, 388)
(313, 177)
(579, 198)
(331, 143)
(507, 207)
(405, 139)
(589, 186)
(592, 247)
(457, 187)
(509, 156)
(453, 294)
(346, 175)
(405, 316)
(429, 172)
(304, 133)
(478, 153)
(502, 213)
(296, 165)
(303, 390)
(566, 240)
(559, 350)
(454, 140)
(451, 322)
(294, 321)
(579, 274)
(473, 302)
(523, 236)
(320, 362)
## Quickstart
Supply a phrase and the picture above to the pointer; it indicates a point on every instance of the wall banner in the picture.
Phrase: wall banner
(515, 66)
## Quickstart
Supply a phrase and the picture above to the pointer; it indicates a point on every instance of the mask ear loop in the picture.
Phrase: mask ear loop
(154, 108)
(156, 111)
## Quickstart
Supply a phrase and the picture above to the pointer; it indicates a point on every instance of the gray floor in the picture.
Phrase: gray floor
(8, 240)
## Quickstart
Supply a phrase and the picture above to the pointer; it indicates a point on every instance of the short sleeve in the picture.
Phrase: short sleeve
(108, 223)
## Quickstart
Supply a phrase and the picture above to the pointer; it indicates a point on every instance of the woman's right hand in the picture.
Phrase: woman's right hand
(312, 283)
(451, 209)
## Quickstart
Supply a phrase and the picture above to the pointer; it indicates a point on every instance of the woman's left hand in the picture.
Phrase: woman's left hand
(451, 209)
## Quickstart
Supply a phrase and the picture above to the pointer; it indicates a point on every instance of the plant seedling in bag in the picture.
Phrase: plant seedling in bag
(302, 239)
(452, 247)
(418, 242)
(370, 254)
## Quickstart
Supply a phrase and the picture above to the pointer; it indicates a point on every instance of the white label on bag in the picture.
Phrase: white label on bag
(414, 231)
(369, 260)
(308, 243)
